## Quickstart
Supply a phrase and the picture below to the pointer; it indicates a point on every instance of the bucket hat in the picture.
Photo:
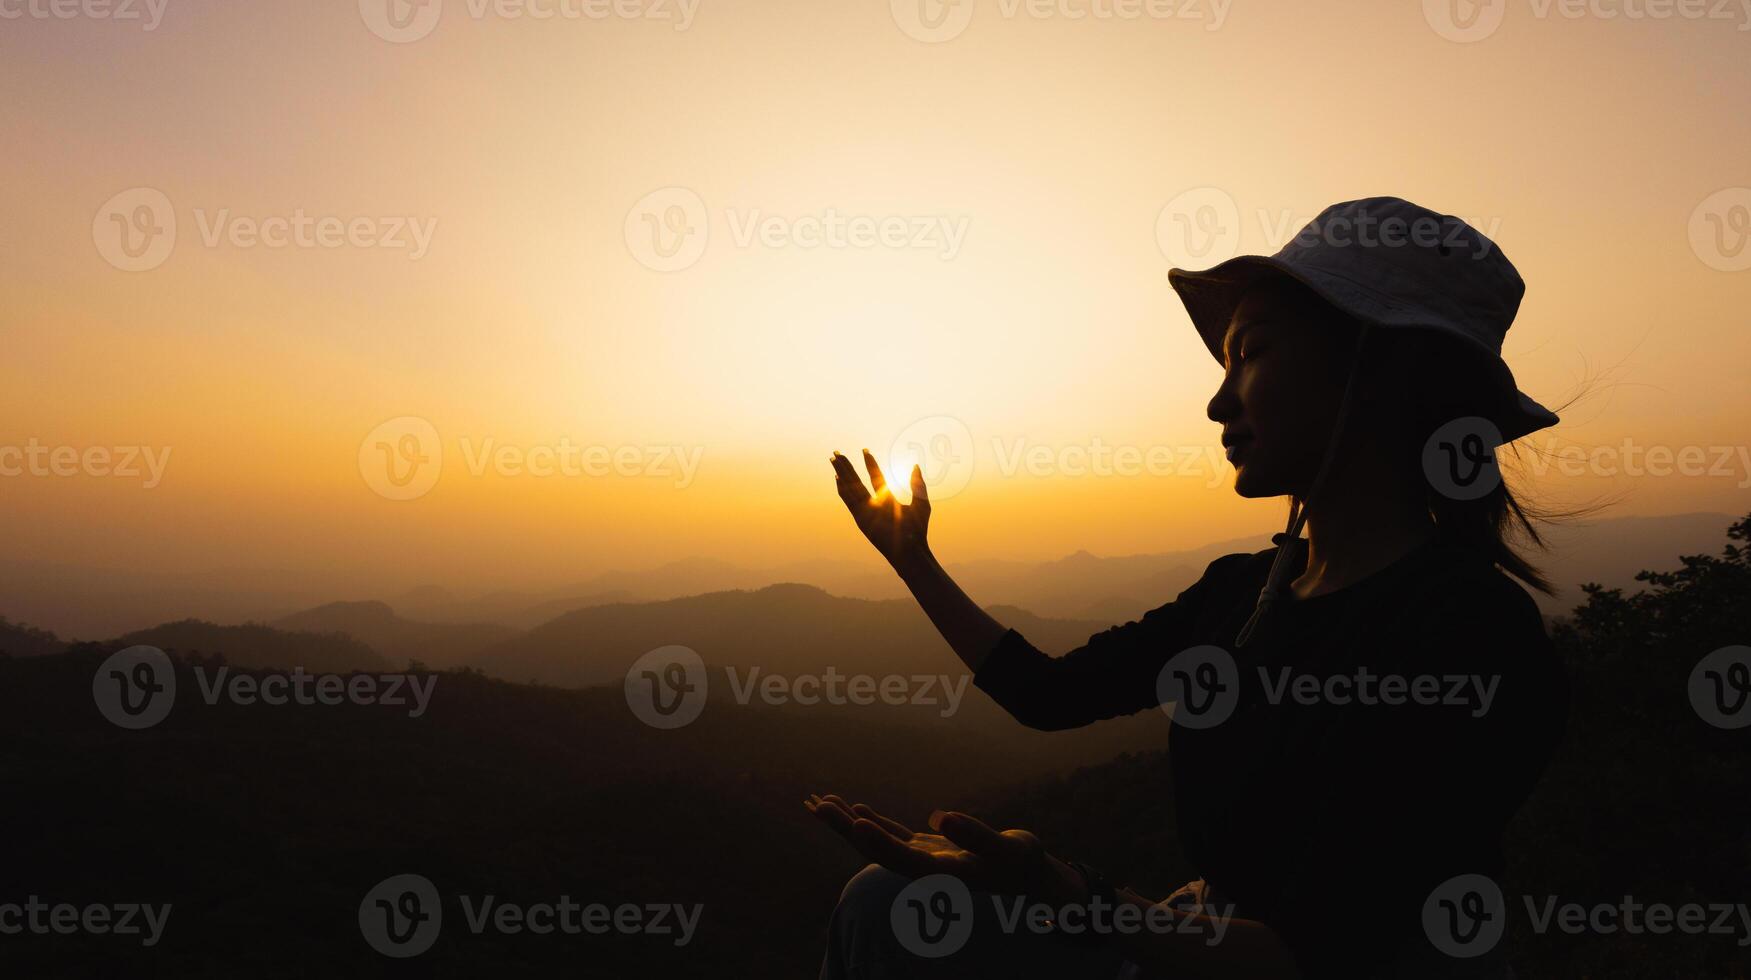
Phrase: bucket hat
(1392, 265)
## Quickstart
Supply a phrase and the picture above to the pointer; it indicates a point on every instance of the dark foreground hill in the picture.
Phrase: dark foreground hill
(263, 827)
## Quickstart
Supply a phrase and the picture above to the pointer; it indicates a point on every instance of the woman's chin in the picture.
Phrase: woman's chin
(1247, 483)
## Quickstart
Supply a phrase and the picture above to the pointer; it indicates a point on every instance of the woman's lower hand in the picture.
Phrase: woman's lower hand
(1011, 862)
(897, 530)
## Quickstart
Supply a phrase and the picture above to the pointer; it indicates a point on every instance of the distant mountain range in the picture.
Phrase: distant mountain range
(438, 645)
(439, 627)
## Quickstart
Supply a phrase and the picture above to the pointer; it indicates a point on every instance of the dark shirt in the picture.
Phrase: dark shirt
(1332, 823)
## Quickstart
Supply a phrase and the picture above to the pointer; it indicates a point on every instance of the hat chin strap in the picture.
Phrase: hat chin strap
(1290, 540)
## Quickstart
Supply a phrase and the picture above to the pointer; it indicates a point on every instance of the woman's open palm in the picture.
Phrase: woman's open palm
(897, 530)
(1011, 862)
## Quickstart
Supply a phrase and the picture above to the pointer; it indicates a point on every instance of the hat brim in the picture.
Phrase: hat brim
(1211, 296)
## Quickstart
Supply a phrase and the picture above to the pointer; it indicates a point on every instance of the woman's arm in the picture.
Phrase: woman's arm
(898, 531)
(970, 630)
(1113, 674)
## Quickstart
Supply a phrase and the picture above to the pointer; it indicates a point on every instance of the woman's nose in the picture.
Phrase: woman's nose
(1225, 404)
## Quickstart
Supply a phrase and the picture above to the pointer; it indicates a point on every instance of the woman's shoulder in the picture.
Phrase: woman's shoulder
(1459, 583)
(1242, 572)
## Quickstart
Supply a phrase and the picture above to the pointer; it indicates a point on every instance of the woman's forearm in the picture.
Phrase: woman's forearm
(969, 630)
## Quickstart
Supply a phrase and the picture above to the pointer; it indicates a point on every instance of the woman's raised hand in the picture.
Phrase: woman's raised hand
(897, 530)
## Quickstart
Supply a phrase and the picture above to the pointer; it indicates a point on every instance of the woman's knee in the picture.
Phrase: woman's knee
(870, 892)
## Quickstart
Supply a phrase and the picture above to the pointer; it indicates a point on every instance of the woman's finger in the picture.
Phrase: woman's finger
(919, 496)
(890, 852)
(969, 832)
(851, 488)
(888, 824)
(837, 818)
(877, 481)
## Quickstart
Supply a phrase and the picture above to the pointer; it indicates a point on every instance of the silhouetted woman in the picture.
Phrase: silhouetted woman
(1356, 714)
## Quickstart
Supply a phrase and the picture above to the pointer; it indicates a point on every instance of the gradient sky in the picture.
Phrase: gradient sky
(1585, 145)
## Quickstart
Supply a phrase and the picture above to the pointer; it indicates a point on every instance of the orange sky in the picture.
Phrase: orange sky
(1021, 166)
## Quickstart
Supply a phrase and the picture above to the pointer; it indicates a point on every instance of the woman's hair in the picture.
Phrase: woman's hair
(1412, 382)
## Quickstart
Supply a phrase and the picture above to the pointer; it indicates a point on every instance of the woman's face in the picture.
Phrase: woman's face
(1285, 368)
